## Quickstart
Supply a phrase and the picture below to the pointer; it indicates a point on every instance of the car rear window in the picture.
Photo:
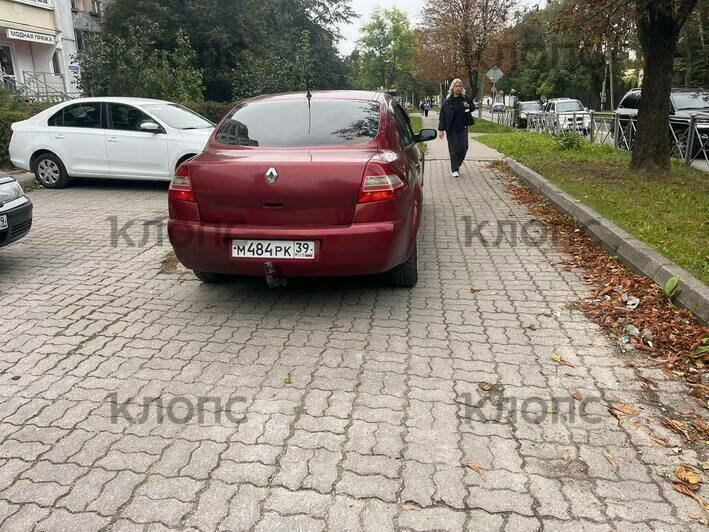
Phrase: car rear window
(569, 106)
(690, 100)
(530, 106)
(294, 122)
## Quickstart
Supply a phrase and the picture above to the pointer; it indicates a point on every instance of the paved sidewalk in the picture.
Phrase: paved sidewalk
(438, 149)
(353, 405)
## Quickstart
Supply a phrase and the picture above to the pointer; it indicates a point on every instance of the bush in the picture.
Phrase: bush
(570, 141)
(13, 109)
(7, 117)
(213, 111)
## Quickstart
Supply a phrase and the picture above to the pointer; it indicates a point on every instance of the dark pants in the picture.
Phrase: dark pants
(457, 147)
(425, 112)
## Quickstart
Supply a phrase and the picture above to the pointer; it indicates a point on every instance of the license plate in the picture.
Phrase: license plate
(273, 249)
(3, 221)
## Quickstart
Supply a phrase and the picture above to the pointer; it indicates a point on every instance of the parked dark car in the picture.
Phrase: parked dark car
(684, 101)
(15, 211)
(523, 109)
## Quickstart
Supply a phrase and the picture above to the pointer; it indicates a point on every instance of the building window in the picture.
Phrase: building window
(79, 38)
(73, 5)
(96, 7)
(56, 68)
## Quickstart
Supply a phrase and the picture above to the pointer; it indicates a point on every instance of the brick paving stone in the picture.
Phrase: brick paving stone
(352, 405)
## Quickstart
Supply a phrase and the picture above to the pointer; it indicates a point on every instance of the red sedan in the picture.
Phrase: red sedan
(303, 185)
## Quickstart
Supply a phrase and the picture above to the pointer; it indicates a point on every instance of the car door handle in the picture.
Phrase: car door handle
(58, 136)
(112, 139)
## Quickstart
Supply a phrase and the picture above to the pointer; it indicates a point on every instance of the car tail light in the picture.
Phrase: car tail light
(379, 185)
(181, 186)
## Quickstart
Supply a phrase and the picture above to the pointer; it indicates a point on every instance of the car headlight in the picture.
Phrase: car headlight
(10, 191)
(523, 115)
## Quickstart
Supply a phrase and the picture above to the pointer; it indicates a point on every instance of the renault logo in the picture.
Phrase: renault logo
(271, 175)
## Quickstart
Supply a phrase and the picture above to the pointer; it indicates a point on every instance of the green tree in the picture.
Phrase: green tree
(115, 66)
(385, 52)
(237, 39)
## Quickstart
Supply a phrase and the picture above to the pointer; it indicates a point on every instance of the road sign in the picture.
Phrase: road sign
(494, 74)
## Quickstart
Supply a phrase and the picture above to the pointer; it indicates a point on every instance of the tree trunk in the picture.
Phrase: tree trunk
(651, 150)
(471, 78)
(659, 23)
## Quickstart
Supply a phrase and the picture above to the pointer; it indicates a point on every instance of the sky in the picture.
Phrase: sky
(364, 8)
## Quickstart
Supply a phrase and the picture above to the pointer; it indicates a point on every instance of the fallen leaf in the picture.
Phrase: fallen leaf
(687, 474)
(606, 290)
(643, 347)
(617, 415)
(700, 391)
(698, 517)
(209, 306)
(659, 441)
(612, 461)
(474, 290)
(677, 426)
(625, 409)
(562, 361)
(475, 467)
(486, 386)
(684, 490)
(408, 507)
(576, 395)
(647, 380)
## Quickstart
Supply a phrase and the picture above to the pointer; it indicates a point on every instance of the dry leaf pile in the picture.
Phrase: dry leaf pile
(689, 482)
(625, 302)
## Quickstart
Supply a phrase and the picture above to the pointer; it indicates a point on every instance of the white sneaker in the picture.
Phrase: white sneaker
(456, 174)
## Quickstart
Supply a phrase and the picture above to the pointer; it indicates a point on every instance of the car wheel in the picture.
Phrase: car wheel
(211, 278)
(406, 274)
(50, 172)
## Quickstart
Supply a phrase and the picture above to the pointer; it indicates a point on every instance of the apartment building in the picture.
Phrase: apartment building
(38, 39)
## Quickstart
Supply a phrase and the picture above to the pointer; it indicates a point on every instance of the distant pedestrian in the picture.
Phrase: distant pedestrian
(421, 106)
(455, 117)
(426, 108)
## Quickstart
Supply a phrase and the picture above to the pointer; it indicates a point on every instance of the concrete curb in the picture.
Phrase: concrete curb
(26, 179)
(617, 242)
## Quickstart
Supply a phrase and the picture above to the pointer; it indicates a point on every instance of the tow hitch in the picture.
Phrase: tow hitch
(272, 279)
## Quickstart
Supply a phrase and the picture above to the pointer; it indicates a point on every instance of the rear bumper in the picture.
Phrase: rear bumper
(357, 249)
(22, 164)
(19, 220)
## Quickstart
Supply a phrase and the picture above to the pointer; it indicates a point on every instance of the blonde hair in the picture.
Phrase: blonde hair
(450, 88)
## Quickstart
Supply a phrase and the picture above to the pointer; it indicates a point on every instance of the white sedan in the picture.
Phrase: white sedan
(126, 138)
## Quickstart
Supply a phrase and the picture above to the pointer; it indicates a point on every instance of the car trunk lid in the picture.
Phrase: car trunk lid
(313, 187)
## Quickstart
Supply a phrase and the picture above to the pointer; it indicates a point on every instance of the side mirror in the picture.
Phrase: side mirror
(152, 127)
(425, 135)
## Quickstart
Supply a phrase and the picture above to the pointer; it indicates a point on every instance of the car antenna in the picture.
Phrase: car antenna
(309, 97)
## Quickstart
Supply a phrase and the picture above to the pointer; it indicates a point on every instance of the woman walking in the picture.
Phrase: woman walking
(455, 117)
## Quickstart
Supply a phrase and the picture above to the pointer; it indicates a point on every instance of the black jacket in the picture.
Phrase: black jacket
(445, 118)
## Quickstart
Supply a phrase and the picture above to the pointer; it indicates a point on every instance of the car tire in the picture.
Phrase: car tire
(211, 278)
(406, 275)
(49, 171)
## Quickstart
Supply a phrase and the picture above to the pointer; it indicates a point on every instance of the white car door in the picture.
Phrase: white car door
(78, 138)
(133, 152)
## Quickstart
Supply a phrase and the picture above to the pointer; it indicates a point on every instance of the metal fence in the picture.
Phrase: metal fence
(689, 136)
(34, 88)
